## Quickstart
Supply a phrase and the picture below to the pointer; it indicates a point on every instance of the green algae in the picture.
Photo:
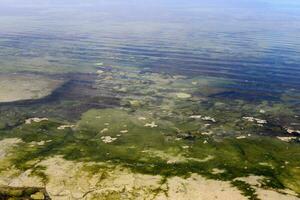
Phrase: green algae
(238, 158)
(156, 135)
(246, 188)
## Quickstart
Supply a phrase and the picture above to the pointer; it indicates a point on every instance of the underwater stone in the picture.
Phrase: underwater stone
(38, 196)
(104, 130)
(291, 131)
(152, 125)
(286, 139)
(186, 136)
(62, 127)
(195, 116)
(108, 139)
(182, 95)
(135, 103)
(252, 119)
(35, 119)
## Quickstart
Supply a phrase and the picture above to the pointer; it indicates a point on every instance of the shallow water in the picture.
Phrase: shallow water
(164, 88)
(255, 43)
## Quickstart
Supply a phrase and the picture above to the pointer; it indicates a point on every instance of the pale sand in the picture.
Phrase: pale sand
(70, 180)
(268, 194)
(16, 87)
(6, 145)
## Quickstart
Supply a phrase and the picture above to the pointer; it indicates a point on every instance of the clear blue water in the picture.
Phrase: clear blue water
(256, 43)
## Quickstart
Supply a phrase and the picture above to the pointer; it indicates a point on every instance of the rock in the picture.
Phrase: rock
(135, 103)
(108, 139)
(292, 131)
(182, 95)
(62, 127)
(186, 136)
(35, 119)
(252, 119)
(38, 196)
(100, 72)
(195, 117)
(286, 139)
(152, 125)
(99, 64)
(207, 118)
(207, 133)
(104, 130)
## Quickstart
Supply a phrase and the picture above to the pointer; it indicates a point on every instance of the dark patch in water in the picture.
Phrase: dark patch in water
(68, 101)
(252, 97)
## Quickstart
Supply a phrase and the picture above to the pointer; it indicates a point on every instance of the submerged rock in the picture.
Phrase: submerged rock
(287, 139)
(38, 196)
(292, 131)
(257, 120)
(151, 125)
(35, 119)
(182, 95)
(108, 139)
(62, 127)
(186, 136)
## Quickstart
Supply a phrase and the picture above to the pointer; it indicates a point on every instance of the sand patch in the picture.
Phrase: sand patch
(7, 144)
(198, 188)
(267, 194)
(16, 87)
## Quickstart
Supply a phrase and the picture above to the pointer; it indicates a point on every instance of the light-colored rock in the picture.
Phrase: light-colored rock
(104, 130)
(151, 125)
(182, 95)
(257, 120)
(286, 139)
(62, 127)
(35, 119)
(108, 139)
(38, 196)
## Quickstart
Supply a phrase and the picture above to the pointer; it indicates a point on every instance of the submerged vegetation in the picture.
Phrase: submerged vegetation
(158, 125)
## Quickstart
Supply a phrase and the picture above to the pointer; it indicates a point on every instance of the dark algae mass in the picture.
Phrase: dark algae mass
(156, 100)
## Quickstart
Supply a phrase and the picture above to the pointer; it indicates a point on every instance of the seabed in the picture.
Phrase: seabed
(129, 133)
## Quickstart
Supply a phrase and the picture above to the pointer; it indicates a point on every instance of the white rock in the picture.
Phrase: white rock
(207, 118)
(35, 119)
(152, 125)
(286, 139)
(62, 127)
(108, 139)
(104, 130)
(195, 116)
(257, 120)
